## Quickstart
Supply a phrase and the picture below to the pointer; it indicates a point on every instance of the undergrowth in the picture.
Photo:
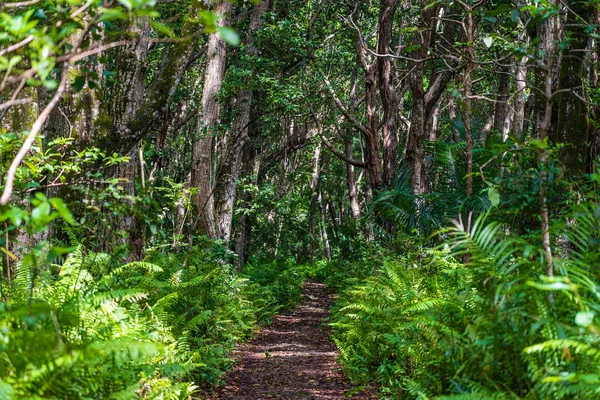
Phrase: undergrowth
(90, 327)
(476, 317)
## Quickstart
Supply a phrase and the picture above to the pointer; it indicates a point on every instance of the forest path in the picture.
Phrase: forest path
(291, 359)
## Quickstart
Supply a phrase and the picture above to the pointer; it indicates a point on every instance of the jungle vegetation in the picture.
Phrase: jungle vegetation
(173, 170)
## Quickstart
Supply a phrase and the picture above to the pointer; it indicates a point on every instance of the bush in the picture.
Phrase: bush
(475, 319)
(91, 328)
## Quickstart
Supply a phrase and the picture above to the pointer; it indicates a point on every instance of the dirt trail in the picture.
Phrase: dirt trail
(291, 359)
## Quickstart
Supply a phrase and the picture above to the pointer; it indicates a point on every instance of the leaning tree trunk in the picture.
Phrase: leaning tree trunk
(202, 154)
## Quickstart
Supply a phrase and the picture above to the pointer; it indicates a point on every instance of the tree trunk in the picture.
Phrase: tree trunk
(160, 91)
(388, 93)
(202, 156)
(571, 128)
(127, 96)
(548, 34)
(419, 115)
(314, 194)
(502, 108)
(468, 91)
(351, 182)
(238, 137)
(518, 122)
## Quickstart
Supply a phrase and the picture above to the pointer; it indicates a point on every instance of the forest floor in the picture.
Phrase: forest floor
(291, 359)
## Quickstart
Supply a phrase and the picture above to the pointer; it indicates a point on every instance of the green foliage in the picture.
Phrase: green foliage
(90, 327)
(474, 318)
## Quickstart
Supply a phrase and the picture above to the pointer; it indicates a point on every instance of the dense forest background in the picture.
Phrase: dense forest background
(173, 170)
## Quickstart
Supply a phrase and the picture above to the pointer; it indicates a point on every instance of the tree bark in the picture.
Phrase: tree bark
(518, 122)
(202, 153)
(502, 107)
(231, 164)
(314, 198)
(548, 34)
(351, 182)
(388, 93)
(127, 96)
(160, 91)
(571, 126)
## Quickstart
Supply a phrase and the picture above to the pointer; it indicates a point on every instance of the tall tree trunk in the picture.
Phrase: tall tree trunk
(351, 182)
(127, 96)
(314, 198)
(162, 88)
(571, 128)
(388, 92)
(419, 116)
(238, 137)
(593, 131)
(323, 227)
(502, 108)
(202, 156)
(250, 168)
(547, 47)
(373, 157)
(518, 122)
(468, 91)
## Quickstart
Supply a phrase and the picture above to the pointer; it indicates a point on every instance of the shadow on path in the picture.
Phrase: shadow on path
(291, 359)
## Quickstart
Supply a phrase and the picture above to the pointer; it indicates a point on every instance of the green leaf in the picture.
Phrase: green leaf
(584, 318)
(494, 196)
(229, 35)
(63, 211)
(515, 15)
(78, 84)
(39, 213)
(126, 3)
(552, 286)
(162, 28)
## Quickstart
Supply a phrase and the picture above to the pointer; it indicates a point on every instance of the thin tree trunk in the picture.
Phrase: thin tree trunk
(518, 122)
(351, 182)
(323, 228)
(502, 108)
(548, 34)
(314, 194)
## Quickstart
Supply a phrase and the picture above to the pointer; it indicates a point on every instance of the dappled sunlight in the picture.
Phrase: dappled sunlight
(292, 359)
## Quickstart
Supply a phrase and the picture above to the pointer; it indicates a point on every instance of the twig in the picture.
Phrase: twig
(21, 3)
(17, 102)
(15, 46)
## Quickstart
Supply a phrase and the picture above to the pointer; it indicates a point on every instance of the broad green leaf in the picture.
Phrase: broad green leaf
(229, 35)
(494, 196)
